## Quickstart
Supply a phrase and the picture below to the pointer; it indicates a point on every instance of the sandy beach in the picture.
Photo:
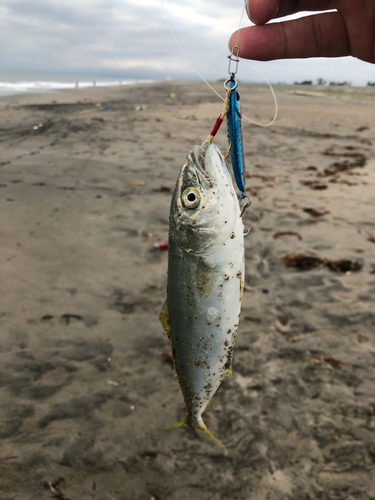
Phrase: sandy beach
(86, 380)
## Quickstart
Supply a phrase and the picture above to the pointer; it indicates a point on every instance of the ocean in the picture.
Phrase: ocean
(18, 82)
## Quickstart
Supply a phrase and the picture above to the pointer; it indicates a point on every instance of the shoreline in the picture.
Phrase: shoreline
(81, 86)
(308, 90)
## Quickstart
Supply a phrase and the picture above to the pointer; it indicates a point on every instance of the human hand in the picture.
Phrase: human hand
(348, 31)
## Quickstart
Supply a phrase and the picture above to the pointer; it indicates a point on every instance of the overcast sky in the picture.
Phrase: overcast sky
(130, 38)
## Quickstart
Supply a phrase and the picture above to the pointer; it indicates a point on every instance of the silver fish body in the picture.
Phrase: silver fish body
(205, 278)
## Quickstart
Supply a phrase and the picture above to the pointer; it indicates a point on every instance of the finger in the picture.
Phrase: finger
(360, 24)
(262, 11)
(321, 35)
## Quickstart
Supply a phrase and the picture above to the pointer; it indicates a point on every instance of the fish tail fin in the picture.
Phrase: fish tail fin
(202, 426)
(182, 423)
(199, 425)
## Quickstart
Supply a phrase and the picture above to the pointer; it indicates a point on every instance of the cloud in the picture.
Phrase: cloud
(131, 38)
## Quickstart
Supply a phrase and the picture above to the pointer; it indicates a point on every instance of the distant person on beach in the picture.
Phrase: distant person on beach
(350, 31)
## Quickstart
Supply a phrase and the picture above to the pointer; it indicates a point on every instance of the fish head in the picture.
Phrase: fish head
(205, 209)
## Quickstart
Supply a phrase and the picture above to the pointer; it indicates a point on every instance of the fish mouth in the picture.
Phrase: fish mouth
(209, 165)
(197, 158)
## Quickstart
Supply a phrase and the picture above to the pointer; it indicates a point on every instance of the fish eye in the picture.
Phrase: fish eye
(191, 197)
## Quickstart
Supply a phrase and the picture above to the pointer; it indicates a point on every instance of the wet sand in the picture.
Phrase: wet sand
(86, 383)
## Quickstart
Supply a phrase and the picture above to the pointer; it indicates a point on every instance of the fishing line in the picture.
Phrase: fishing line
(273, 95)
(246, 62)
(238, 30)
(187, 57)
(239, 24)
(218, 52)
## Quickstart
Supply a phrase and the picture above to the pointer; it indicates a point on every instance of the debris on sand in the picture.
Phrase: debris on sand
(315, 213)
(286, 233)
(335, 363)
(314, 184)
(339, 167)
(163, 189)
(138, 183)
(370, 236)
(167, 358)
(160, 245)
(303, 261)
(357, 160)
(254, 320)
(362, 128)
(307, 262)
(68, 318)
(55, 488)
(264, 178)
(331, 152)
(344, 265)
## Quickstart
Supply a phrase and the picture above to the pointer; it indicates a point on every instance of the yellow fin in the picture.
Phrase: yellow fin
(164, 319)
(206, 431)
(182, 423)
(201, 426)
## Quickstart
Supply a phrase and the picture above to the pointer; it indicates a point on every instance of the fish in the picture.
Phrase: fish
(235, 139)
(205, 279)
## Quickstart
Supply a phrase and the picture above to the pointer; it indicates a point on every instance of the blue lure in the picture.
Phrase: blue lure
(235, 140)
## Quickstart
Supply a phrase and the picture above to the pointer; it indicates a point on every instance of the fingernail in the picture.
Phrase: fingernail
(248, 10)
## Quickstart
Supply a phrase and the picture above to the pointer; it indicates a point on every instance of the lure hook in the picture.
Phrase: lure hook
(248, 231)
(246, 205)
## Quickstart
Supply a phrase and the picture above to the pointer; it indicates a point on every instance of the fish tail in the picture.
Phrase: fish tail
(182, 423)
(202, 426)
(186, 422)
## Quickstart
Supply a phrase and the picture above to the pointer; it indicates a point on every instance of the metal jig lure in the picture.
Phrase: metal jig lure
(234, 127)
(232, 111)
